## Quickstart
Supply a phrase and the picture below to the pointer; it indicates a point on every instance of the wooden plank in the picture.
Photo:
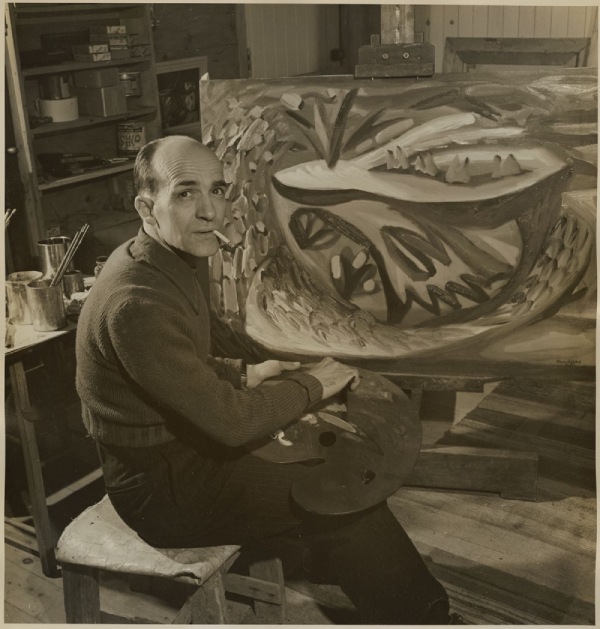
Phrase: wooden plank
(452, 62)
(255, 40)
(537, 411)
(506, 426)
(436, 34)
(240, 28)
(465, 20)
(557, 462)
(543, 21)
(532, 557)
(81, 589)
(258, 589)
(511, 22)
(17, 537)
(30, 592)
(207, 604)
(495, 25)
(494, 597)
(73, 487)
(576, 22)
(591, 16)
(578, 397)
(13, 614)
(451, 20)
(560, 21)
(45, 534)
(271, 572)
(422, 13)
(291, 31)
(397, 23)
(480, 20)
(510, 473)
(398, 70)
(526, 26)
(528, 519)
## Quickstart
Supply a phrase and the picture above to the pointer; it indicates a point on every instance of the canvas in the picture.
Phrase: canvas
(400, 223)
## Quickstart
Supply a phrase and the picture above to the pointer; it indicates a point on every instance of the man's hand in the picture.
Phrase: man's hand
(334, 376)
(268, 369)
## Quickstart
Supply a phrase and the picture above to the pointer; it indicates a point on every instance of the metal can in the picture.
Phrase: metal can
(55, 87)
(131, 81)
(131, 136)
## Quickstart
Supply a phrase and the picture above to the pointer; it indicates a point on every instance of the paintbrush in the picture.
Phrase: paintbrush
(225, 242)
(8, 214)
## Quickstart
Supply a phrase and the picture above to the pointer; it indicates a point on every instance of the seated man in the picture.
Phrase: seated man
(171, 422)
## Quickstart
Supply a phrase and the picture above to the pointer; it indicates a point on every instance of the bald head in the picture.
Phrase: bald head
(146, 176)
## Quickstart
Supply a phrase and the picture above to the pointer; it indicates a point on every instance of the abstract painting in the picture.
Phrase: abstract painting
(393, 220)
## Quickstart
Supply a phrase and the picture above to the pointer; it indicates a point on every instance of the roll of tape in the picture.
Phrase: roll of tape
(60, 110)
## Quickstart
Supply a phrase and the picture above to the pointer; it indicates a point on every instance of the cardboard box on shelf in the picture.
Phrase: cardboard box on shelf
(89, 48)
(109, 39)
(102, 101)
(111, 29)
(102, 77)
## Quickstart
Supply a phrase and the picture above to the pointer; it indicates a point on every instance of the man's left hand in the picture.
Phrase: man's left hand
(268, 369)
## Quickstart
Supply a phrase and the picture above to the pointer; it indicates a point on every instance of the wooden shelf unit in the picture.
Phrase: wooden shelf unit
(91, 191)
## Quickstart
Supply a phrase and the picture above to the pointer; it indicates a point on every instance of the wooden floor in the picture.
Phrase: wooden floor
(502, 561)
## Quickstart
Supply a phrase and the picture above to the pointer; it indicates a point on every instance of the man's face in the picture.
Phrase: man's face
(190, 200)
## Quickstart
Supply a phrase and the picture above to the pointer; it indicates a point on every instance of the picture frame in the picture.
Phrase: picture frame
(179, 94)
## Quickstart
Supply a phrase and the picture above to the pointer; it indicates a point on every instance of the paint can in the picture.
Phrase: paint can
(16, 295)
(131, 81)
(46, 305)
(52, 251)
(72, 283)
(56, 87)
(131, 136)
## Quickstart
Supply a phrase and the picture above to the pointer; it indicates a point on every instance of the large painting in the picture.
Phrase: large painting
(393, 221)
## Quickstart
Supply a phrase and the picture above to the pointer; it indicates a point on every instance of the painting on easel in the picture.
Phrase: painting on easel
(384, 220)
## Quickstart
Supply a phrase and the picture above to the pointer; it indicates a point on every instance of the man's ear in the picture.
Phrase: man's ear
(144, 207)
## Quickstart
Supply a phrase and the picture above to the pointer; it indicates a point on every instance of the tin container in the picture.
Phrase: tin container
(131, 136)
(55, 87)
(16, 295)
(46, 305)
(72, 283)
(52, 251)
(131, 81)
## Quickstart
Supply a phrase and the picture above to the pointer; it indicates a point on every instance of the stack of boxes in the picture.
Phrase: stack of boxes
(104, 92)
(100, 92)
(113, 37)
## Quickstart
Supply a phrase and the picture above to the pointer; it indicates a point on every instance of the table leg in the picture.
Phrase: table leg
(35, 481)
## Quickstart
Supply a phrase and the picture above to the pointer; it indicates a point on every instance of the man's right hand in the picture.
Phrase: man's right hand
(334, 376)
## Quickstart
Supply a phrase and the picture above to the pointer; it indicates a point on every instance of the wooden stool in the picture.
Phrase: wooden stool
(98, 539)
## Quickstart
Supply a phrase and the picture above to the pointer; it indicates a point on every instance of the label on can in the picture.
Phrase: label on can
(131, 136)
(131, 81)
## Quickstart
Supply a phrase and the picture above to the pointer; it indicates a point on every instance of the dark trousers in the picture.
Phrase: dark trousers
(174, 497)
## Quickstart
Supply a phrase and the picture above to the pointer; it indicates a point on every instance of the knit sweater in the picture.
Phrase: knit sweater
(143, 363)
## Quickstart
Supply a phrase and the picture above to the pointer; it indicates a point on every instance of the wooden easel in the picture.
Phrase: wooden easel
(393, 53)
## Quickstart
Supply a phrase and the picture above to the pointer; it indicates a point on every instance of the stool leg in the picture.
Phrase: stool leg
(81, 591)
(270, 570)
(206, 605)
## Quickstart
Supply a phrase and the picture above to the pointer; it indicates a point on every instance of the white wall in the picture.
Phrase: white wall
(290, 39)
(502, 21)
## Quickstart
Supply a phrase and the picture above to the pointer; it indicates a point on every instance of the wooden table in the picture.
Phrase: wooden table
(27, 341)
